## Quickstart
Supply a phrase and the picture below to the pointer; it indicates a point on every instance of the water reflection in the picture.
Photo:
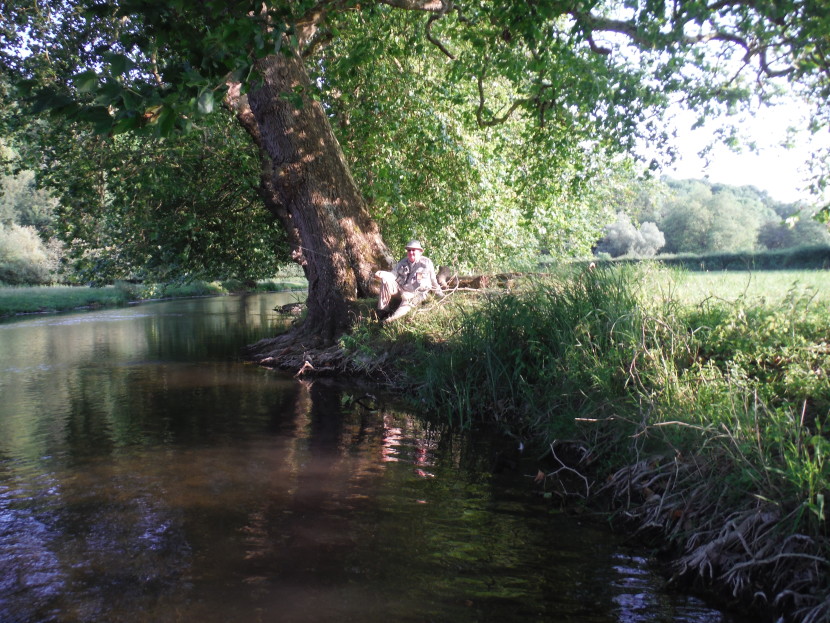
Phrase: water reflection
(147, 476)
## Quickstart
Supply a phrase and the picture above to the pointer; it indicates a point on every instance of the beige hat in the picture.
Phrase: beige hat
(414, 244)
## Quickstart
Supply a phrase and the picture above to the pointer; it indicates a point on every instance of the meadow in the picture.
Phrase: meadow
(771, 287)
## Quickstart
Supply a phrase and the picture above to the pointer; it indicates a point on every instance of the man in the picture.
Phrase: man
(411, 280)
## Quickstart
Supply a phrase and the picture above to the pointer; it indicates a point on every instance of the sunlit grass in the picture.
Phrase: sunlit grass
(760, 287)
(711, 387)
(24, 300)
(35, 299)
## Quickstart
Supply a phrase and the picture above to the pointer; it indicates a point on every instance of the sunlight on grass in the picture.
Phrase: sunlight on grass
(761, 287)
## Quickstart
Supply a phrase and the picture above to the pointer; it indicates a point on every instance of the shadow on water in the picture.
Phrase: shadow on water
(148, 475)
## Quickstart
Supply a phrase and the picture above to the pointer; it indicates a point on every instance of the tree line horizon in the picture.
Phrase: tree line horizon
(651, 218)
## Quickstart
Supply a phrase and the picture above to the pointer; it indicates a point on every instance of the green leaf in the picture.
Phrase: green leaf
(109, 93)
(126, 125)
(131, 99)
(119, 63)
(166, 121)
(26, 87)
(85, 81)
(98, 116)
(206, 102)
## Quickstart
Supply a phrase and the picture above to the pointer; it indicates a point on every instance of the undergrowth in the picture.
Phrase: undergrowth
(717, 411)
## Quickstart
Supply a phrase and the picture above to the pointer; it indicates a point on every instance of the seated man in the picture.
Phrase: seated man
(411, 280)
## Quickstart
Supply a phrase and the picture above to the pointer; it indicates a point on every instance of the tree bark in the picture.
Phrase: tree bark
(315, 196)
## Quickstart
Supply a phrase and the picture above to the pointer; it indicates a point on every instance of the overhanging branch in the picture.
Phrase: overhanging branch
(432, 6)
(494, 120)
(432, 18)
(592, 23)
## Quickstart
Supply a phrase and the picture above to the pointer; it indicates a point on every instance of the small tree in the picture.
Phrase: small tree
(24, 259)
(623, 238)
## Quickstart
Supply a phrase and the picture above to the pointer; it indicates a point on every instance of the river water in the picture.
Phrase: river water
(147, 473)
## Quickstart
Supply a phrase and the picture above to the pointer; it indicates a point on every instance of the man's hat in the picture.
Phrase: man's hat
(414, 244)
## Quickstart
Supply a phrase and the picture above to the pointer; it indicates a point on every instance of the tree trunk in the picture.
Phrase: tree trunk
(336, 241)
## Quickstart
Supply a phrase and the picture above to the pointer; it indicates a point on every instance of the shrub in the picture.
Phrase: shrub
(623, 238)
(24, 259)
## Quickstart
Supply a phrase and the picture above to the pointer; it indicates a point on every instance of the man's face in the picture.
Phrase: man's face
(413, 255)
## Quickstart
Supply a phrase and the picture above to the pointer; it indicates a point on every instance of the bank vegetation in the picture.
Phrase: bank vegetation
(698, 422)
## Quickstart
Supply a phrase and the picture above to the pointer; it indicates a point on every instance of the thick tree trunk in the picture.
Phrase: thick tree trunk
(336, 241)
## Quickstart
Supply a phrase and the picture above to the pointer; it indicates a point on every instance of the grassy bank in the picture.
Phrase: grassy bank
(35, 299)
(699, 418)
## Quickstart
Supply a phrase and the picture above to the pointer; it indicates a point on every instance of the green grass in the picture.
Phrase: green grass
(713, 385)
(27, 300)
(760, 287)
(34, 299)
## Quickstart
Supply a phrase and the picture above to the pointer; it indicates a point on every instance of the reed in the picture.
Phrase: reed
(703, 419)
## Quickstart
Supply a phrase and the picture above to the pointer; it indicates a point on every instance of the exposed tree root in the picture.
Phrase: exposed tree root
(305, 355)
(730, 543)
(745, 555)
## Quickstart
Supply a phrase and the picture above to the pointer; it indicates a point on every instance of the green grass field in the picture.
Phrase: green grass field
(762, 287)
(35, 299)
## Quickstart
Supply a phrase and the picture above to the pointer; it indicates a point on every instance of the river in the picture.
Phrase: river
(148, 473)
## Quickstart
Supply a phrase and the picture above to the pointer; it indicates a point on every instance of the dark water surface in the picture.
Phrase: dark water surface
(148, 474)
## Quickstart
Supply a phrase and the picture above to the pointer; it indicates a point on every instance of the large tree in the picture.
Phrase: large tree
(585, 80)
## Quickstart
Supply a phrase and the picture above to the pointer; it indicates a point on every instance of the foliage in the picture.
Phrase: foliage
(698, 217)
(157, 209)
(479, 197)
(623, 238)
(786, 234)
(705, 220)
(567, 89)
(24, 259)
(23, 203)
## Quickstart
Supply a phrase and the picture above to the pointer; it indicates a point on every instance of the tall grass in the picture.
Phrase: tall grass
(722, 403)
(556, 350)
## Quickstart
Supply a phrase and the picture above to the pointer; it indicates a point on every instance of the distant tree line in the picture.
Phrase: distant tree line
(653, 217)
(697, 217)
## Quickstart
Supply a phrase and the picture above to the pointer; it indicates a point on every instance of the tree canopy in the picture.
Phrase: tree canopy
(479, 125)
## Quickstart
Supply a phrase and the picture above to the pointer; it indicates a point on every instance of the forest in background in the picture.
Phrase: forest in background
(645, 218)
(697, 217)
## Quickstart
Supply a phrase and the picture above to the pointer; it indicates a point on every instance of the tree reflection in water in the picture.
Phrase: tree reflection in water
(143, 480)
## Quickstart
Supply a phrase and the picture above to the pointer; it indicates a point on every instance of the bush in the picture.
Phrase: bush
(24, 259)
(623, 238)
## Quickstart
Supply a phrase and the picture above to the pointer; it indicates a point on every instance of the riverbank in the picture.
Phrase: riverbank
(698, 424)
(50, 299)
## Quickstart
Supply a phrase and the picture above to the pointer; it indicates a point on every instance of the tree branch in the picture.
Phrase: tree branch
(432, 6)
(773, 73)
(480, 110)
(432, 18)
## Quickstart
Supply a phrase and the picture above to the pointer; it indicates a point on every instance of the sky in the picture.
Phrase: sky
(774, 168)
